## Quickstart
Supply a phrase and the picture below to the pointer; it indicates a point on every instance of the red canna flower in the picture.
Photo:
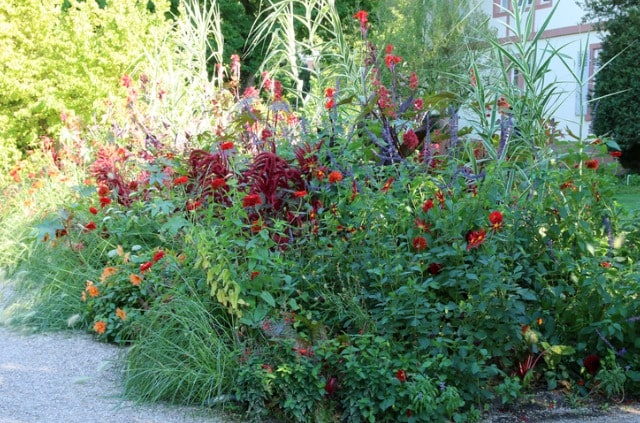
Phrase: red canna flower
(592, 364)
(226, 145)
(428, 205)
(413, 81)
(104, 201)
(591, 164)
(419, 243)
(251, 200)
(362, 16)
(495, 217)
(330, 104)
(91, 226)
(158, 255)
(218, 183)
(401, 375)
(391, 61)
(387, 185)
(93, 210)
(145, 266)
(475, 238)
(180, 180)
(335, 176)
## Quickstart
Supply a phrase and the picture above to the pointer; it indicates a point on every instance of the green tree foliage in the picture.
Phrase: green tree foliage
(435, 36)
(69, 65)
(617, 86)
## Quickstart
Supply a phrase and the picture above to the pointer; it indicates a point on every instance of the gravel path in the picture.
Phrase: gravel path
(70, 378)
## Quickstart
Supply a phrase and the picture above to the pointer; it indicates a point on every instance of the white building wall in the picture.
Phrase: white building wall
(566, 32)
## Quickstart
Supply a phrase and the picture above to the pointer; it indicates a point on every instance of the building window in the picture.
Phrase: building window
(593, 66)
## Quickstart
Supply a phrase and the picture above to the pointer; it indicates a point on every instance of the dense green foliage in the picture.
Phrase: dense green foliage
(617, 87)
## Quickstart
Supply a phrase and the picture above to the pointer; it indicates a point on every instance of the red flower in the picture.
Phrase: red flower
(401, 375)
(226, 145)
(592, 363)
(605, 264)
(440, 197)
(475, 238)
(391, 61)
(93, 210)
(329, 92)
(435, 268)
(495, 217)
(591, 164)
(362, 16)
(105, 201)
(428, 205)
(103, 191)
(616, 154)
(253, 275)
(266, 134)
(330, 386)
(335, 176)
(300, 194)
(180, 180)
(145, 266)
(158, 255)
(251, 200)
(387, 185)
(419, 243)
(410, 140)
(330, 104)
(418, 104)
(218, 183)
(422, 225)
(192, 205)
(91, 226)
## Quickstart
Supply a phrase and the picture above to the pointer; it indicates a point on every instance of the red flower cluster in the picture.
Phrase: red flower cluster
(475, 238)
(251, 200)
(410, 140)
(330, 95)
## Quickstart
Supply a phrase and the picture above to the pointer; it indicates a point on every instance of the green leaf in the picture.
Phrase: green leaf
(174, 224)
(268, 298)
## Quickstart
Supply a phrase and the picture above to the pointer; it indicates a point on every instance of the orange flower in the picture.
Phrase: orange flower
(100, 327)
(83, 297)
(107, 272)
(92, 289)
(121, 313)
(135, 280)
(387, 185)
(335, 176)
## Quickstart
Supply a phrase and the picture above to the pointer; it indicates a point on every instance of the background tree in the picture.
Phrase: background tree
(617, 86)
(435, 36)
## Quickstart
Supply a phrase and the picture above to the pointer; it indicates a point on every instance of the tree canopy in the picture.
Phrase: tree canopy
(617, 87)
